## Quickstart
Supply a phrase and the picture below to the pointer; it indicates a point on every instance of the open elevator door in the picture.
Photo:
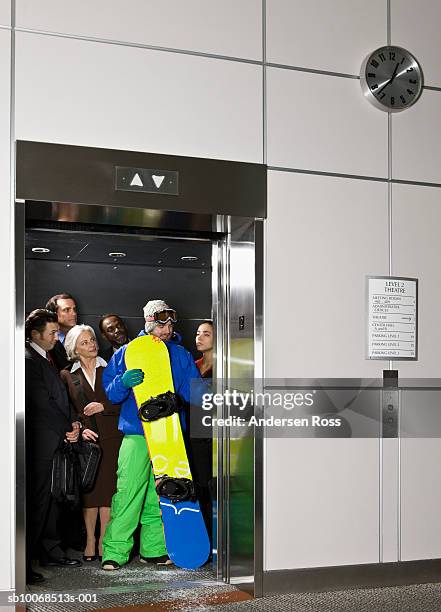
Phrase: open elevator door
(222, 201)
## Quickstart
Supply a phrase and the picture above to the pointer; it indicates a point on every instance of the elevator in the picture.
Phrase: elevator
(103, 225)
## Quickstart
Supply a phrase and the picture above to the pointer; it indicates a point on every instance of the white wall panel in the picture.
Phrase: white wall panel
(227, 28)
(334, 36)
(390, 500)
(319, 122)
(5, 12)
(420, 497)
(101, 95)
(7, 454)
(416, 145)
(324, 510)
(417, 253)
(324, 235)
(415, 26)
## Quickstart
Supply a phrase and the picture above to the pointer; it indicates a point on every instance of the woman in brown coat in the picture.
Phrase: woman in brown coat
(84, 383)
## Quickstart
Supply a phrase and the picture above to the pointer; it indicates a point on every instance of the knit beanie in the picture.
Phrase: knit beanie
(149, 310)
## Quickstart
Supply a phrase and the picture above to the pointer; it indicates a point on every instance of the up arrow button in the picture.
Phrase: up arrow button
(136, 181)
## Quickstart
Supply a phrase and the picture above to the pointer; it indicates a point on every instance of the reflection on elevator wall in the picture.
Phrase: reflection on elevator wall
(240, 443)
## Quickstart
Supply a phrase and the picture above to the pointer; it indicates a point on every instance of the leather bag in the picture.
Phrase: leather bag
(89, 457)
(65, 483)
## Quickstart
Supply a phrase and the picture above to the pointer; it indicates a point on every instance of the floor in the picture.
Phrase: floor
(90, 587)
(138, 587)
(204, 595)
(415, 598)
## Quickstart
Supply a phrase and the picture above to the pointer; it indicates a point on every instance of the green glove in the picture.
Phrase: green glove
(132, 378)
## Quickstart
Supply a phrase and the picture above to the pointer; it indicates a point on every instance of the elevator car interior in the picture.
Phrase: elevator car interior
(198, 249)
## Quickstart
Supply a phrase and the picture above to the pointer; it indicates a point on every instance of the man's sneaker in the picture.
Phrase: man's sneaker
(110, 565)
(162, 560)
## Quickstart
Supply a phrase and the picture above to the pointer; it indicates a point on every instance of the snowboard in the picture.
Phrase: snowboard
(186, 537)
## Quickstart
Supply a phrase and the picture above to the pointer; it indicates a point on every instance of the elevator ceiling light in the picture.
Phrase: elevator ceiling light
(117, 254)
(40, 250)
(189, 258)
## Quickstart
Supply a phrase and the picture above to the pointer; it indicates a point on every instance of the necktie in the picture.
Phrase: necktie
(50, 359)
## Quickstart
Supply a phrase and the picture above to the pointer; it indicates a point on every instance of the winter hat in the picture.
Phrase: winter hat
(149, 310)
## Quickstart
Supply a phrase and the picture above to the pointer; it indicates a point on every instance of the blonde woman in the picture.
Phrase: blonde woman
(84, 383)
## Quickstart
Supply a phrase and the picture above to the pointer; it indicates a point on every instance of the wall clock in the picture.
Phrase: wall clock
(391, 78)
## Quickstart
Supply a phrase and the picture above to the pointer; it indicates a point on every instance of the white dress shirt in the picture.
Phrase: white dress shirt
(99, 362)
(39, 350)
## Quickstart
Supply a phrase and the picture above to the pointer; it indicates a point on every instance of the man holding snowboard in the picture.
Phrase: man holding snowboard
(136, 499)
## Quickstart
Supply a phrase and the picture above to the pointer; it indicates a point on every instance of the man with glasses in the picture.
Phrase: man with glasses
(136, 499)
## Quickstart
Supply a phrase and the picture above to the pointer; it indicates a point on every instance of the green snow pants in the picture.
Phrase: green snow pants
(135, 501)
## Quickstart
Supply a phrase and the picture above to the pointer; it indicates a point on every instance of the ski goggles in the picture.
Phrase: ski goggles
(163, 316)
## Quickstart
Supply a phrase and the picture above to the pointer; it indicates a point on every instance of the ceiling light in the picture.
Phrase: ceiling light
(40, 250)
(189, 258)
(117, 254)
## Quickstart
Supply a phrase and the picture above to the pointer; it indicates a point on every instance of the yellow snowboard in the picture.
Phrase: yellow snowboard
(164, 436)
(186, 537)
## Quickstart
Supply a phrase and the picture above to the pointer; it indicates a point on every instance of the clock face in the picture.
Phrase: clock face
(391, 78)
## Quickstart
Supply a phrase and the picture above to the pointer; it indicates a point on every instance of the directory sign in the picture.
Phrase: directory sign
(392, 318)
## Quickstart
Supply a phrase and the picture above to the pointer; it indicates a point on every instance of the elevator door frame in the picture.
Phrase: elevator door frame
(239, 255)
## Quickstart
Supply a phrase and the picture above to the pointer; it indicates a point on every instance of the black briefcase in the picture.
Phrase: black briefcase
(65, 483)
(89, 457)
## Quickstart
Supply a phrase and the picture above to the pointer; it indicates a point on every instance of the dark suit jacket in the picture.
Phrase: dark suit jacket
(58, 354)
(107, 353)
(49, 413)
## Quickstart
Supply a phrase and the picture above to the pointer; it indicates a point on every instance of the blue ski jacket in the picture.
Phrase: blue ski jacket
(183, 371)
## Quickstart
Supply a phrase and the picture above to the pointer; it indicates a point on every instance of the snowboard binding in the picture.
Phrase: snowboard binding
(176, 489)
(162, 405)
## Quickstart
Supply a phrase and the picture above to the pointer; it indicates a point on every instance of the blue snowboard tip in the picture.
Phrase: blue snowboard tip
(186, 538)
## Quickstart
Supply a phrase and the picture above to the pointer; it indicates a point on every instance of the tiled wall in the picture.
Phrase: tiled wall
(123, 97)
(415, 25)
(322, 35)
(188, 79)
(229, 28)
(324, 234)
(5, 13)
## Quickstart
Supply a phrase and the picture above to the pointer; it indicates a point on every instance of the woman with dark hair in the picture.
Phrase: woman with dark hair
(84, 384)
(204, 344)
(202, 448)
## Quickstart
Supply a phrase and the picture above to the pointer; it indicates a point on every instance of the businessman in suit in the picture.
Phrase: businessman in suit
(65, 307)
(49, 420)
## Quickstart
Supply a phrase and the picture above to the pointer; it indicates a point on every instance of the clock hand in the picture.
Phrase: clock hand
(385, 85)
(390, 80)
(395, 72)
(402, 72)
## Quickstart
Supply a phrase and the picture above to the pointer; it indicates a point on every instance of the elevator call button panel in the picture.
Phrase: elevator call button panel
(147, 180)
